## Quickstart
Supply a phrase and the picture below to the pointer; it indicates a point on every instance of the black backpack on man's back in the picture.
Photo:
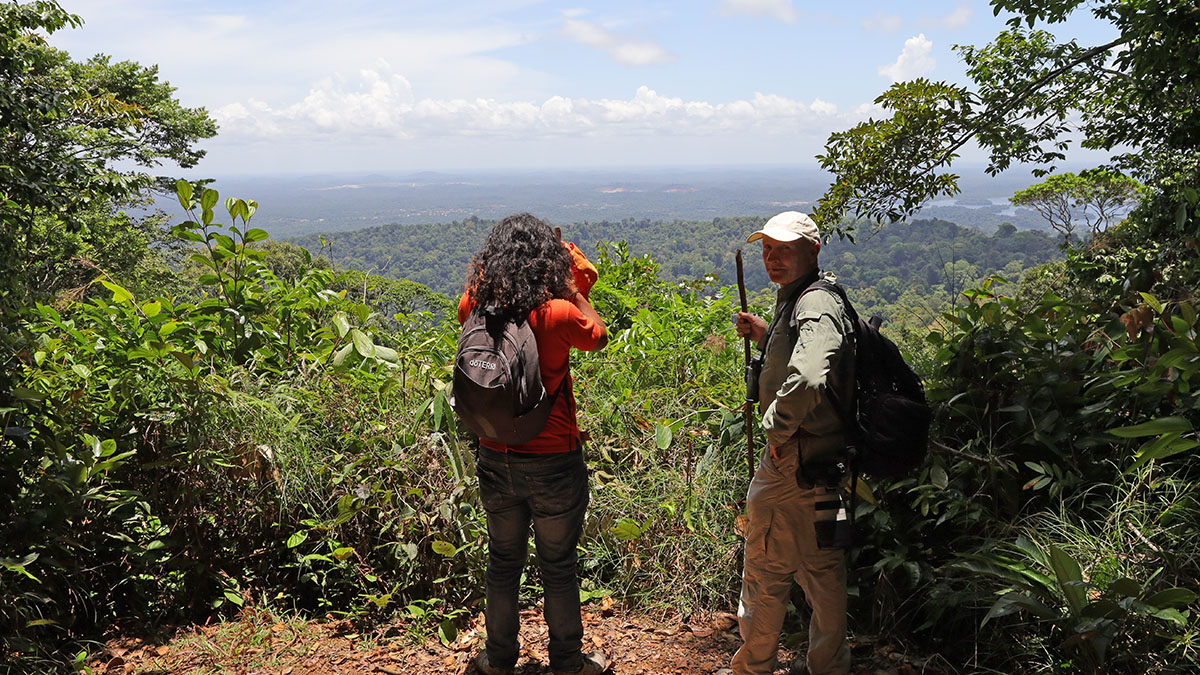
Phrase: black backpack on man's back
(888, 422)
(497, 390)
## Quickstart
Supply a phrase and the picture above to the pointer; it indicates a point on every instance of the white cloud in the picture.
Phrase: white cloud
(380, 104)
(373, 107)
(588, 33)
(914, 61)
(823, 107)
(780, 9)
(959, 18)
(641, 54)
(271, 51)
(883, 23)
(621, 48)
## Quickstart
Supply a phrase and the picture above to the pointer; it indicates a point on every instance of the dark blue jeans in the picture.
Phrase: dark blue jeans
(551, 491)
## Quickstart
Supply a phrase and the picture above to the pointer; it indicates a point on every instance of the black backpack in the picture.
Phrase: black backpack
(497, 389)
(888, 422)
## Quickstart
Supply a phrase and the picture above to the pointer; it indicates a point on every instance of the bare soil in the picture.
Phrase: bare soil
(259, 643)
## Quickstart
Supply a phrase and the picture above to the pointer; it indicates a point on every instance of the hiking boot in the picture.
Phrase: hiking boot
(484, 666)
(593, 664)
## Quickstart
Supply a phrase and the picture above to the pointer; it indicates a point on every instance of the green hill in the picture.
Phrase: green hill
(924, 257)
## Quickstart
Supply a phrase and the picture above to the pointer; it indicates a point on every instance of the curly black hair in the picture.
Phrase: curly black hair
(521, 265)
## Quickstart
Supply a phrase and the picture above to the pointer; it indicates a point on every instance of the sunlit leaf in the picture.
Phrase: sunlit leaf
(1154, 427)
(183, 190)
(340, 357)
(1070, 577)
(208, 199)
(119, 294)
(626, 529)
(362, 343)
(1153, 302)
(662, 436)
(341, 324)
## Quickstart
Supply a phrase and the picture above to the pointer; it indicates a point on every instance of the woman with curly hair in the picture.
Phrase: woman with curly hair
(525, 273)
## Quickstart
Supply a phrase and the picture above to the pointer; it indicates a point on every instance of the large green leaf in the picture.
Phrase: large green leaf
(663, 436)
(119, 294)
(340, 357)
(341, 324)
(208, 199)
(183, 190)
(203, 259)
(362, 343)
(1070, 578)
(255, 234)
(1103, 609)
(18, 566)
(1161, 425)
(1013, 601)
(1172, 597)
(1125, 588)
(1160, 448)
(627, 529)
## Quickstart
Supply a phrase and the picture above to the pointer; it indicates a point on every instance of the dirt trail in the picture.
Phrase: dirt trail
(258, 643)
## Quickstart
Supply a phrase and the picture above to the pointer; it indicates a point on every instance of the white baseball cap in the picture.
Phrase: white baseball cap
(789, 226)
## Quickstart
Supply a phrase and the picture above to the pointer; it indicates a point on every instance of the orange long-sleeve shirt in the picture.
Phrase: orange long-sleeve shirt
(558, 325)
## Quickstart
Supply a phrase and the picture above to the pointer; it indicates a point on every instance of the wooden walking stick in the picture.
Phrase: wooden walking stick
(748, 405)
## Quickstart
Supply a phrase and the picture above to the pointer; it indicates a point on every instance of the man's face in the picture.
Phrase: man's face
(787, 261)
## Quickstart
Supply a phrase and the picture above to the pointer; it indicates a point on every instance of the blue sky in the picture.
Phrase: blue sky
(304, 86)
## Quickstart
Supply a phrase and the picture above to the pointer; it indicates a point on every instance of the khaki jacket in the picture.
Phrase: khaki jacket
(807, 356)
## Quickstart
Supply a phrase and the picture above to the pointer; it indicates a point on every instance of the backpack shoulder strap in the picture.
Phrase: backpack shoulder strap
(562, 386)
(836, 289)
(788, 307)
(846, 413)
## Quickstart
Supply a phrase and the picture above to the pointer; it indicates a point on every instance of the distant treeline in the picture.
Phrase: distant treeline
(878, 267)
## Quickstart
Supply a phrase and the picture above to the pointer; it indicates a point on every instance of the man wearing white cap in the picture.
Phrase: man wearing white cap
(808, 364)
